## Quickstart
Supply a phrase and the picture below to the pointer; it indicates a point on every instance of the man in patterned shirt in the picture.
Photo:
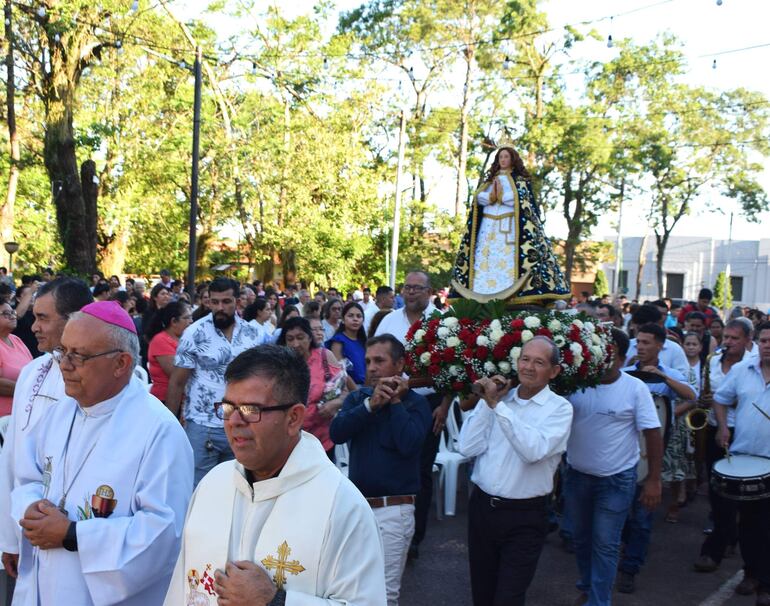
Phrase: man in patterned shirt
(204, 351)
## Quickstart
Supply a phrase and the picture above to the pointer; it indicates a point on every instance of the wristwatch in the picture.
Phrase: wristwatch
(70, 542)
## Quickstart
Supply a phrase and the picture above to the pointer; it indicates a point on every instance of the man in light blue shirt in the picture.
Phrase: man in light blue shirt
(746, 388)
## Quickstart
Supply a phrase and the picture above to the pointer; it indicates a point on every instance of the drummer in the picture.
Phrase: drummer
(664, 381)
(746, 387)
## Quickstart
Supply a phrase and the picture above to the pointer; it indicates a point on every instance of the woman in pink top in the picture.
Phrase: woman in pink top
(13, 356)
(164, 332)
(327, 388)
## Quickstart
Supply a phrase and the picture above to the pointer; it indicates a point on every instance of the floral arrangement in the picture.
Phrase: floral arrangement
(457, 351)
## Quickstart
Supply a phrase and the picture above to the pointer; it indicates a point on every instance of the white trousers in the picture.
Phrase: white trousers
(396, 524)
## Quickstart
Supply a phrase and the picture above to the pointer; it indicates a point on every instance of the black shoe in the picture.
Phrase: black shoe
(625, 582)
(413, 553)
(705, 563)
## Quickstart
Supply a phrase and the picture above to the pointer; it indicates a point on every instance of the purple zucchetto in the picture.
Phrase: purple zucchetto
(110, 312)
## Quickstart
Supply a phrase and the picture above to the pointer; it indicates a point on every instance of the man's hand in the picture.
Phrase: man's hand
(11, 564)
(48, 531)
(243, 584)
(384, 392)
(706, 399)
(723, 436)
(654, 370)
(440, 415)
(651, 491)
(492, 389)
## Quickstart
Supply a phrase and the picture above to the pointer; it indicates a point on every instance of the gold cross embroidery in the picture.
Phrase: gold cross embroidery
(282, 565)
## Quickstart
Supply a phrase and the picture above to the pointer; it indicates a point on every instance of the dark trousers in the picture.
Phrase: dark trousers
(425, 494)
(724, 511)
(504, 546)
(754, 539)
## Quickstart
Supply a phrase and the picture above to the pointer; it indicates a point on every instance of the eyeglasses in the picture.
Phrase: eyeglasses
(250, 413)
(8, 314)
(78, 360)
(414, 288)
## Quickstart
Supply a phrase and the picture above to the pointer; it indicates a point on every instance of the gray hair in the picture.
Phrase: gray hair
(555, 357)
(742, 323)
(118, 338)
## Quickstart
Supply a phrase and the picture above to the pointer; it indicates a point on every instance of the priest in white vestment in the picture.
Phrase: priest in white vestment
(39, 386)
(280, 525)
(104, 517)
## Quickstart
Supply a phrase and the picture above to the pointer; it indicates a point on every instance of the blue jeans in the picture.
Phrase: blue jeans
(210, 447)
(597, 508)
(636, 536)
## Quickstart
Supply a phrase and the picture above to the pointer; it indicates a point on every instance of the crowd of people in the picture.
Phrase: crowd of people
(198, 505)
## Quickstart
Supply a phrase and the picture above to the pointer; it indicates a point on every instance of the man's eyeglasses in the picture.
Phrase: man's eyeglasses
(8, 314)
(78, 360)
(414, 288)
(250, 413)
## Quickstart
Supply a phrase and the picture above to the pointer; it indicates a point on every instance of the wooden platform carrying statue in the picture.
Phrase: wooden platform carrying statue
(505, 254)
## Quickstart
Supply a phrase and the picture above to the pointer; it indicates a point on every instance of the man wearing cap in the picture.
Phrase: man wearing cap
(103, 516)
(39, 386)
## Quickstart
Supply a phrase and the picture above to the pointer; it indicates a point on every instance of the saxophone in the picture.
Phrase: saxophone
(697, 418)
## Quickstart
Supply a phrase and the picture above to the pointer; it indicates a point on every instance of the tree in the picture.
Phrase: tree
(723, 292)
(601, 286)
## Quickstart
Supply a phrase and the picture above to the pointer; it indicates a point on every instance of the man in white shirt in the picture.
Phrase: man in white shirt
(39, 387)
(384, 299)
(417, 293)
(747, 387)
(281, 525)
(601, 478)
(517, 437)
(671, 355)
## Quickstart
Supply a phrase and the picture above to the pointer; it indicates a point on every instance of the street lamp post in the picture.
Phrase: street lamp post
(10, 248)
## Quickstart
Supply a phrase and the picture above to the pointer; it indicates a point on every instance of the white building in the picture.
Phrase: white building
(691, 263)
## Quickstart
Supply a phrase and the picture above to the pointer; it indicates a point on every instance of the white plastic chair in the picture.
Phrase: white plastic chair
(438, 488)
(450, 460)
(342, 458)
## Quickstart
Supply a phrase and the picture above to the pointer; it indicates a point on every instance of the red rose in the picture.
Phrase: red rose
(472, 376)
(515, 337)
(569, 358)
(458, 386)
(419, 350)
(467, 336)
(433, 324)
(574, 333)
(517, 324)
(435, 357)
(500, 352)
(466, 322)
(430, 337)
(583, 371)
(482, 353)
(449, 354)
(433, 370)
(468, 354)
(544, 332)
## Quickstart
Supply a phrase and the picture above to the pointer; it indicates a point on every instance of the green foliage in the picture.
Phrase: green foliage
(723, 292)
(601, 286)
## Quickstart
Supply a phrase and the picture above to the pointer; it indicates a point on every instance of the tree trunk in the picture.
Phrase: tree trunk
(642, 263)
(6, 214)
(661, 241)
(90, 199)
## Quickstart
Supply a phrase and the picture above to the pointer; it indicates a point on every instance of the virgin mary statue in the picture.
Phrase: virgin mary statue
(505, 253)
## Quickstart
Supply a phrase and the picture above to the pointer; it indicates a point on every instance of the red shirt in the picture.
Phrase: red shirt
(13, 358)
(162, 344)
(709, 313)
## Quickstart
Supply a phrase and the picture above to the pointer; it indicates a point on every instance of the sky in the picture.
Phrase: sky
(708, 31)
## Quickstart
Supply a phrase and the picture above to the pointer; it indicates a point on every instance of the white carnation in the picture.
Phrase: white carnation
(455, 370)
(450, 322)
(419, 335)
(589, 326)
(532, 322)
(482, 341)
(495, 325)
(452, 342)
(576, 349)
(577, 323)
(515, 353)
(596, 339)
(490, 367)
(425, 357)
(559, 340)
(597, 351)
(504, 367)
(443, 332)
(526, 335)
(554, 326)
(578, 360)
(496, 335)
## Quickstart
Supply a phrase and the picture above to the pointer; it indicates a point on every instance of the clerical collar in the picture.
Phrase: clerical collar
(252, 479)
(105, 407)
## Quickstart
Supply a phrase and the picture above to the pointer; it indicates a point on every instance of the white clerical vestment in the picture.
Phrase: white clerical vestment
(309, 528)
(125, 467)
(39, 386)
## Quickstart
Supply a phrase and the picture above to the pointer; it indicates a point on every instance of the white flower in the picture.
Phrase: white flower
(455, 370)
(496, 335)
(452, 342)
(443, 332)
(504, 367)
(482, 341)
(578, 360)
(425, 357)
(597, 351)
(577, 323)
(589, 326)
(419, 335)
(554, 326)
(450, 322)
(576, 349)
(495, 325)
(515, 353)
(596, 339)
(559, 340)
(532, 322)
(526, 335)
(490, 367)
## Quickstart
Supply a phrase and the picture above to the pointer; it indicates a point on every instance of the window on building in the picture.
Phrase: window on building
(622, 282)
(675, 286)
(736, 284)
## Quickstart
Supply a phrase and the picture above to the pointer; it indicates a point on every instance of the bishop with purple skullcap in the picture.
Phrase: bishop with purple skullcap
(110, 312)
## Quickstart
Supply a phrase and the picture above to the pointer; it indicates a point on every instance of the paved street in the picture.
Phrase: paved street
(440, 576)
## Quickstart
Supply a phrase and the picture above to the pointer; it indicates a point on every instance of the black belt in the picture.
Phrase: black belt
(503, 503)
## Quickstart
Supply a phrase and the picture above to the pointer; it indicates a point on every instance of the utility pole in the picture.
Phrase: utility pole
(397, 210)
(728, 288)
(619, 244)
(194, 176)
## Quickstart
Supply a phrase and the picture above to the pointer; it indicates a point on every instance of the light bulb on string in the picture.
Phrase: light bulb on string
(182, 64)
(714, 64)
(135, 6)
(56, 37)
(326, 64)
(507, 62)
(719, 2)
(253, 68)
(610, 43)
(41, 12)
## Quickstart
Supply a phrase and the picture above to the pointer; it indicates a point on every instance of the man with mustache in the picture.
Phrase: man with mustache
(204, 351)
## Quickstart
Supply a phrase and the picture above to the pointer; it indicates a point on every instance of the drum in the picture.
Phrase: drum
(663, 408)
(742, 478)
